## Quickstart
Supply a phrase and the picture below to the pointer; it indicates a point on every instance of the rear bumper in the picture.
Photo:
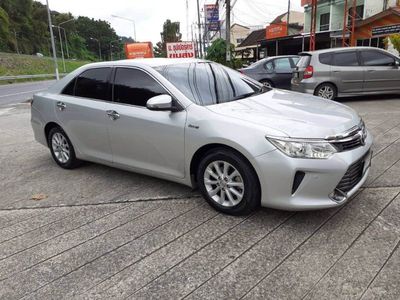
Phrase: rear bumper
(277, 171)
(303, 87)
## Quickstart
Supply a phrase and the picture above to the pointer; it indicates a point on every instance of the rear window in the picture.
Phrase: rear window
(325, 58)
(304, 61)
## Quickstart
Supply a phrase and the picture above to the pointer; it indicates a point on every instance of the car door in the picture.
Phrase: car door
(141, 138)
(80, 110)
(381, 71)
(282, 72)
(346, 72)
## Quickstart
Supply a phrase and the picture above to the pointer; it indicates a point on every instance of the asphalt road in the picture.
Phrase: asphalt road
(20, 92)
(101, 233)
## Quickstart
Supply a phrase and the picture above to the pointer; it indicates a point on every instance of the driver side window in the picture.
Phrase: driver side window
(135, 87)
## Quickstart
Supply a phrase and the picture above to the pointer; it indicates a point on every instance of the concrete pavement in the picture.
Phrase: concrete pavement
(20, 92)
(103, 233)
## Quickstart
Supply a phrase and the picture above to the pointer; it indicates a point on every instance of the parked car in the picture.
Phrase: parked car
(201, 124)
(273, 71)
(341, 72)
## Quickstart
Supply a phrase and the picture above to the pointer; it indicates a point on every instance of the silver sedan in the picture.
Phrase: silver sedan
(204, 125)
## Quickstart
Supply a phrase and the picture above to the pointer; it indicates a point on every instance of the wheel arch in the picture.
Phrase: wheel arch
(326, 82)
(49, 126)
(199, 154)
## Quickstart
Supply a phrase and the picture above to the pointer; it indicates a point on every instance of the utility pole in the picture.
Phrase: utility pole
(287, 18)
(199, 28)
(187, 20)
(61, 45)
(52, 41)
(16, 41)
(228, 30)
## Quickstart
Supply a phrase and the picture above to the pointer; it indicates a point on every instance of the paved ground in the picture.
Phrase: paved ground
(18, 92)
(109, 234)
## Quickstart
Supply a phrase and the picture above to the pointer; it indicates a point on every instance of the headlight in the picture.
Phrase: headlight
(303, 149)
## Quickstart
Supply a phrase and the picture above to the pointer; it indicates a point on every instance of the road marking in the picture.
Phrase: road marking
(33, 91)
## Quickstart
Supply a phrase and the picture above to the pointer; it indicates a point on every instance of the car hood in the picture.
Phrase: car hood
(295, 114)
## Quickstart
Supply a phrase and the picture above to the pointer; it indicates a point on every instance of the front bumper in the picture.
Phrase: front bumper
(276, 173)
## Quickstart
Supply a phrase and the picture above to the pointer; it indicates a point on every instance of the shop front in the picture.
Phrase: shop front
(373, 30)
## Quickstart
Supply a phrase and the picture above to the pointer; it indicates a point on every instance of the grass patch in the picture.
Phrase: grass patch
(19, 64)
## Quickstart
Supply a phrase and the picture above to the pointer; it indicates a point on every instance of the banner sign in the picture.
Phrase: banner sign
(384, 30)
(180, 50)
(212, 17)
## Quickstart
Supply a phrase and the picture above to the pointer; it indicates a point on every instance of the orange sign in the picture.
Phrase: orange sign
(305, 2)
(277, 30)
(139, 50)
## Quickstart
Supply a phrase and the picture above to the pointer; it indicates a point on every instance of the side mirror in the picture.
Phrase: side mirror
(162, 103)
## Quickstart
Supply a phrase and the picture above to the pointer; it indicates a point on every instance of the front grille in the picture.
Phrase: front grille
(352, 176)
(348, 145)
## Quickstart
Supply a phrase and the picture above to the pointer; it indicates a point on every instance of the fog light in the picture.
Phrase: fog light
(338, 196)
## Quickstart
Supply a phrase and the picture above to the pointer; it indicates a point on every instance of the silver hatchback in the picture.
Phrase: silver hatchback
(341, 72)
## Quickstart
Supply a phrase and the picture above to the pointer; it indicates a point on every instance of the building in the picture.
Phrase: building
(238, 33)
(265, 42)
(375, 20)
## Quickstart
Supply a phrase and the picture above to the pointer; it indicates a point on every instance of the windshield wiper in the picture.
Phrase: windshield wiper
(262, 90)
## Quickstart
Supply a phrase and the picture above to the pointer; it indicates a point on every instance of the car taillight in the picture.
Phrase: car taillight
(308, 72)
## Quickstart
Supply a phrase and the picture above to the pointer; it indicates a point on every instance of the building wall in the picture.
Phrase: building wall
(238, 32)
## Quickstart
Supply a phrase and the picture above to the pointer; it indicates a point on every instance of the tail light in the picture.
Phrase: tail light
(308, 72)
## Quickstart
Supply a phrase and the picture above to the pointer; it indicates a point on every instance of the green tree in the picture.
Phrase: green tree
(171, 33)
(217, 52)
(4, 30)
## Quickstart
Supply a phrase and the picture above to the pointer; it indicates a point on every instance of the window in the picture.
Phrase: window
(375, 58)
(69, 88)
(93, 84)
(348, 58)
(135, 87)
(209, 83)
(324, 22)
(325, 58)
(282, 64)
(238, 41)
(269, 66)
(295, 60)
(304, 61)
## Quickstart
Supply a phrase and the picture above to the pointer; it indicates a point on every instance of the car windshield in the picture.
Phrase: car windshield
(206, 83)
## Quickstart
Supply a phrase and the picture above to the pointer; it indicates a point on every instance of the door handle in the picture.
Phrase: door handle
(61, 105)
(370, 71)
(113, 114)
(336, 71)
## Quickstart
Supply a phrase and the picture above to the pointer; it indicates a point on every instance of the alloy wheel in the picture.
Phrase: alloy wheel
(326, 92)
(60, 146)
(224, 183)
(267, 84)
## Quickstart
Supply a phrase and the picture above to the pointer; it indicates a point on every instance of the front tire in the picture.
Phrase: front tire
(326, 91)
(62, 149)
(228, 182)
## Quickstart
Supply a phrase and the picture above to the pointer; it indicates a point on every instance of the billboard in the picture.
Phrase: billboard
(180, 50)
(276, 30)
(212, 17)
(139, 50)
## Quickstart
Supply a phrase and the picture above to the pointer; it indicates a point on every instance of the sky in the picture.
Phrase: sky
(149, 15)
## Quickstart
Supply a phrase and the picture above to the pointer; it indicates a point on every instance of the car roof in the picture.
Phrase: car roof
(151, 62)
(339, 49)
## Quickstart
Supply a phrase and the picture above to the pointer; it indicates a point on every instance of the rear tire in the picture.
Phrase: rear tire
(267, 83)
(326, 91)
(228, 182)
(62, 149)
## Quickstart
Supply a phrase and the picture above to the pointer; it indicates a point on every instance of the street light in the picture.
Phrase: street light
(94, 39)
(65, 35)
(130, 20)
(61, 45)
(52, 41)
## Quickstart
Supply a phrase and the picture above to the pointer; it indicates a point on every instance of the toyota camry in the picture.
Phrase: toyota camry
(201, 124)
